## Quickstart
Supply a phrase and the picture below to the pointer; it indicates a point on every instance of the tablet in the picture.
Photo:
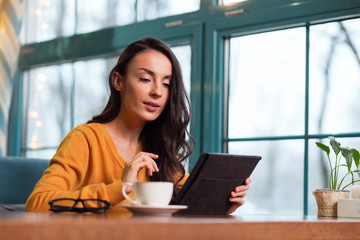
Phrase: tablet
(214, 177)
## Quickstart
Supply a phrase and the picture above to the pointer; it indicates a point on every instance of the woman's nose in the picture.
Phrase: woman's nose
(156, 90)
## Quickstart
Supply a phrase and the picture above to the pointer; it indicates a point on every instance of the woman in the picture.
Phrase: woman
(139, 136)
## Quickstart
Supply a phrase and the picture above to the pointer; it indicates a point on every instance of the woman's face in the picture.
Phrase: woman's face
(144, 90)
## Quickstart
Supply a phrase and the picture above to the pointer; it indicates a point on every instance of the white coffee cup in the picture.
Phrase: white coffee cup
(154, 194)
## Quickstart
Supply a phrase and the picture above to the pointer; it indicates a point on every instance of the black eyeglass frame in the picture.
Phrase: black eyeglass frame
(59, 208)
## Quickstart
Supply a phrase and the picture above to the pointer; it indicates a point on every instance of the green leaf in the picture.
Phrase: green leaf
(356, 157)
(347, 153)
(323, 147)
(335, 145)
(357, 171)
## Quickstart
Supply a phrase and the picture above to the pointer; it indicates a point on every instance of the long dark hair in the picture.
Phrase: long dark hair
(165, 136)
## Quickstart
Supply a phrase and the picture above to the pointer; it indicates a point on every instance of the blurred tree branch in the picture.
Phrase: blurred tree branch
(349, 42)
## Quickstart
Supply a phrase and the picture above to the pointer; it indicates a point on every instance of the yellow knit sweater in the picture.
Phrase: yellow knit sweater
(86, 165)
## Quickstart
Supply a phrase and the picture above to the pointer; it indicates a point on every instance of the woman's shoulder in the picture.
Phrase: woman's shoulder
(84, 135)
(89, 127)
(88, 131)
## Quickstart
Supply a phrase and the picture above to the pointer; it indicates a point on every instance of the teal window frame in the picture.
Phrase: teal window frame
(206, 30)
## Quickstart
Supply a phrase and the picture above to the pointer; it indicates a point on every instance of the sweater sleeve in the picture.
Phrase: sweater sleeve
(182, 181)
(67, 174)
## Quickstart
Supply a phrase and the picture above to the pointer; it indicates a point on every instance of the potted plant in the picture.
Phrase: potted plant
(326, 199)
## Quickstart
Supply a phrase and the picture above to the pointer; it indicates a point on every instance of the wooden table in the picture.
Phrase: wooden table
(120, 224)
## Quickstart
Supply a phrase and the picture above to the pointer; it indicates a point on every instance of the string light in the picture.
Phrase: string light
(40, 87)
(33, 114)
(39, 123)
(42, 77)
(44, 26)
(33, 145)
(39, 81)
(45, 3)
(39, 12)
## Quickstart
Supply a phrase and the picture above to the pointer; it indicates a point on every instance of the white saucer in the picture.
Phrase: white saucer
(149, 210)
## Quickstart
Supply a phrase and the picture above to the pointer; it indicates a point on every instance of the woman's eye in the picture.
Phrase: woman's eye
(144, 79)
(167, 85)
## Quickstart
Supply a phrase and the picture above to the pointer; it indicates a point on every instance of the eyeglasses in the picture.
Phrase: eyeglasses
(79, 205)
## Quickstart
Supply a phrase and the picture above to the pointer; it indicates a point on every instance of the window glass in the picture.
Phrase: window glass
(94, 14)
(334, 77)
(48, 105)
(267, 87)
(151, 9)
(277, 181)
(48, 19)
(183, 54)
(45, 154)
(91, 88)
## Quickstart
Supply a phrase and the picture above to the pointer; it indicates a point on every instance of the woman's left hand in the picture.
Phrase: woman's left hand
(237, 196)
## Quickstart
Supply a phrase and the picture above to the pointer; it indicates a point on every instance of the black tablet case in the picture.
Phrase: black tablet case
(214, 177)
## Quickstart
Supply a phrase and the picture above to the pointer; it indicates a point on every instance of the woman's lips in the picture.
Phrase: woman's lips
(151, 106)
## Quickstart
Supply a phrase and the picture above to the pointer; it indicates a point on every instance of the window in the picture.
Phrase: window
(47, 19)
(91, 90)
(334, 77)
(266, 98)
(333, 93)
(56, 101)
(266, 82)
(48, 105)
(266, 107)
(150, 9)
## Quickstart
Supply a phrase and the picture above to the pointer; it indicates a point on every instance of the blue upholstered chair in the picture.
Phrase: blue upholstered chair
(18, 176)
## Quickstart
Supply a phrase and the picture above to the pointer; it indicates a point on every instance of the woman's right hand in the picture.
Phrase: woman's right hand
(135, 164)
